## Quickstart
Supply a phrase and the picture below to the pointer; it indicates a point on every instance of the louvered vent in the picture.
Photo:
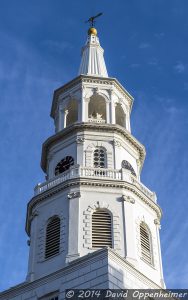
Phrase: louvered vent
(101, 229)
(145, 244)
(52, 237)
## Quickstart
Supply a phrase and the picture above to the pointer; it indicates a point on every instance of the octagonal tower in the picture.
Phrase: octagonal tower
(92, 197)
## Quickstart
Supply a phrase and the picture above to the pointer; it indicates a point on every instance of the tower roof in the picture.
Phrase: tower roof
(92, 61)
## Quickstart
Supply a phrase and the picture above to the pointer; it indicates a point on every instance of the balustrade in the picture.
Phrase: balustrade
(102, 173)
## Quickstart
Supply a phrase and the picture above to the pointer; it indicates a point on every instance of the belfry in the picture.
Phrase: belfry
(92, 223)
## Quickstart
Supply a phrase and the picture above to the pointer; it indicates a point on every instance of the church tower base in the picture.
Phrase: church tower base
(102, 269)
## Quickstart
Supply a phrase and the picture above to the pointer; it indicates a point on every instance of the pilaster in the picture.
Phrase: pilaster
(74, 226)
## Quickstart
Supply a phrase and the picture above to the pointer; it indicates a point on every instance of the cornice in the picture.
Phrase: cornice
(75, 128)
(91, 182)
(91, 79)
(128, 266)
(83, 261)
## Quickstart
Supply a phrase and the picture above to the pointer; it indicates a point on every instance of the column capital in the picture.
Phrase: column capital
(95, 90)
(157, 223)
(110, 91)
(73, 195)
(128, 199)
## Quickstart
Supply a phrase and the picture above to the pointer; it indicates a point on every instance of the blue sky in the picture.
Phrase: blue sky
(146, 49)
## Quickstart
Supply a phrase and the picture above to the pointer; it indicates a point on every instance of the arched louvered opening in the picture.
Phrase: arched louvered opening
(127, 165)
(101, 229)
(145, 240)
(64, 165)
(52, 237)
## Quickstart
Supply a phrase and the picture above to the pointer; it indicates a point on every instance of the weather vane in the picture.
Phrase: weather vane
(91, 20)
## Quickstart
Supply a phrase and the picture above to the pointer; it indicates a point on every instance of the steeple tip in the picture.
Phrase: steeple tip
(92, 61)
(92, 30)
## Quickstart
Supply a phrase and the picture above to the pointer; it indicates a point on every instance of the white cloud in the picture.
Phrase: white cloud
(135, 65)
(144, 45)
(180, 67)
(153, 62)
(57, 46)
(159, 35)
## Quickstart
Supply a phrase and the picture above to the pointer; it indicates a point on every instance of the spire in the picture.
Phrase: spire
(92, 62)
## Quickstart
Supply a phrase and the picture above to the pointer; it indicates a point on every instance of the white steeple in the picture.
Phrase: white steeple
(92, 62)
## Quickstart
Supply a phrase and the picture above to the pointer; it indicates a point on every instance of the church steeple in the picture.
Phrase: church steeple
(92, 62)
(92, 196)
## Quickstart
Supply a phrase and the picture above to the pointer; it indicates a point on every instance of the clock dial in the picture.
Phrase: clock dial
(64, 165)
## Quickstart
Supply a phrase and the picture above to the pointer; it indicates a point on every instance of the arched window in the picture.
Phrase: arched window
(101, 229)
(97, 109)
(99, 158)
(72, 112)
(52, 237)
(145, 240)
(120, 115)
(64, 165)
(126, 165)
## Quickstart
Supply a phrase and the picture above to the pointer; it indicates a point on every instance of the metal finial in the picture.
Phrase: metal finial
(91, 20)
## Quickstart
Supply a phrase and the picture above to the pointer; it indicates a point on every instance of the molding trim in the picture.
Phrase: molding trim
(90, 150)
(128, 199)
(73, 195)
(91, 182)
(78, 83)
(91, 258)
(87, 224)
(102, 128)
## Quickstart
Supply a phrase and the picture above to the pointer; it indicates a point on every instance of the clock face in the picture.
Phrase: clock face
(64, 165)
(126, 165)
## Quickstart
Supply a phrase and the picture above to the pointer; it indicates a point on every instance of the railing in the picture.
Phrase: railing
(93, 120)
(85, 172)
(144, 189)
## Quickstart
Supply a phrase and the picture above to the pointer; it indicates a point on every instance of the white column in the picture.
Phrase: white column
(80, 150)
(112, 107)
(33, 248)
(82, 117)
(80, 105)
(60, 118)
(65, 113)
(74, 226)
(128, 127)
(107, 112)
(157, 223)
(85, 109)
(129, 229)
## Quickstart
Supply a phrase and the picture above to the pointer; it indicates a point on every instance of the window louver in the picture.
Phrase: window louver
(101, 229)
(145, 244)
(52, 237)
